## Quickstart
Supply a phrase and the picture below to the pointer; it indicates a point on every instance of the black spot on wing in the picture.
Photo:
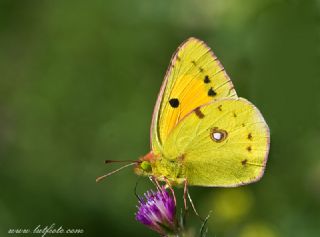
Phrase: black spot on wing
(207, 80)
(211, 92)
(174, 102)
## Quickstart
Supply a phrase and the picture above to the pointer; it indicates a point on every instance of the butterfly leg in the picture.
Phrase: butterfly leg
(193, 207)
(155, 182)
(135, 190)
(185, 193)
(171, 189)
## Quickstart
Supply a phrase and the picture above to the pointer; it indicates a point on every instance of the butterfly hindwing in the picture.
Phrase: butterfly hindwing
(194, 78)
(223, 143)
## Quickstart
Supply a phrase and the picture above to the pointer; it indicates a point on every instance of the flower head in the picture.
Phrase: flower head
(157, 210)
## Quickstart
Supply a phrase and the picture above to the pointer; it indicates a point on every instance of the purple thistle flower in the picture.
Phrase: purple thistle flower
(157, 210)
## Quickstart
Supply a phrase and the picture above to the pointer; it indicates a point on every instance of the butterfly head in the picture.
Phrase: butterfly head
(144, 165)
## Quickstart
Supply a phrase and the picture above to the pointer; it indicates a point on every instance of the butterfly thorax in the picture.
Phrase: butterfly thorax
(161, 168)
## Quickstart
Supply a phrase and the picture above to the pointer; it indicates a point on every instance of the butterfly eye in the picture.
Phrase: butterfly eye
(146, 166)
(218, 135)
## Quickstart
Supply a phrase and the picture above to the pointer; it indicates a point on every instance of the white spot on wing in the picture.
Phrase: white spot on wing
(217, 136)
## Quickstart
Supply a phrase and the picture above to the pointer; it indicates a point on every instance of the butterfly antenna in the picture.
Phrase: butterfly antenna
(118, 161)
(113, 172)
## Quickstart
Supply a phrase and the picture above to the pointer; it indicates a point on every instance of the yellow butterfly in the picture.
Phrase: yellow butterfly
(202, 133)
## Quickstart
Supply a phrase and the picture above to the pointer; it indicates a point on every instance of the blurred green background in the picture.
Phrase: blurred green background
(78, 82)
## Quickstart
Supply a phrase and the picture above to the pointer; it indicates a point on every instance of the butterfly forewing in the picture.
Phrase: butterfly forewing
(194, 78)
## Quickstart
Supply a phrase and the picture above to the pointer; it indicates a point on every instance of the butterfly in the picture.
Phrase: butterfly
(202, 133)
